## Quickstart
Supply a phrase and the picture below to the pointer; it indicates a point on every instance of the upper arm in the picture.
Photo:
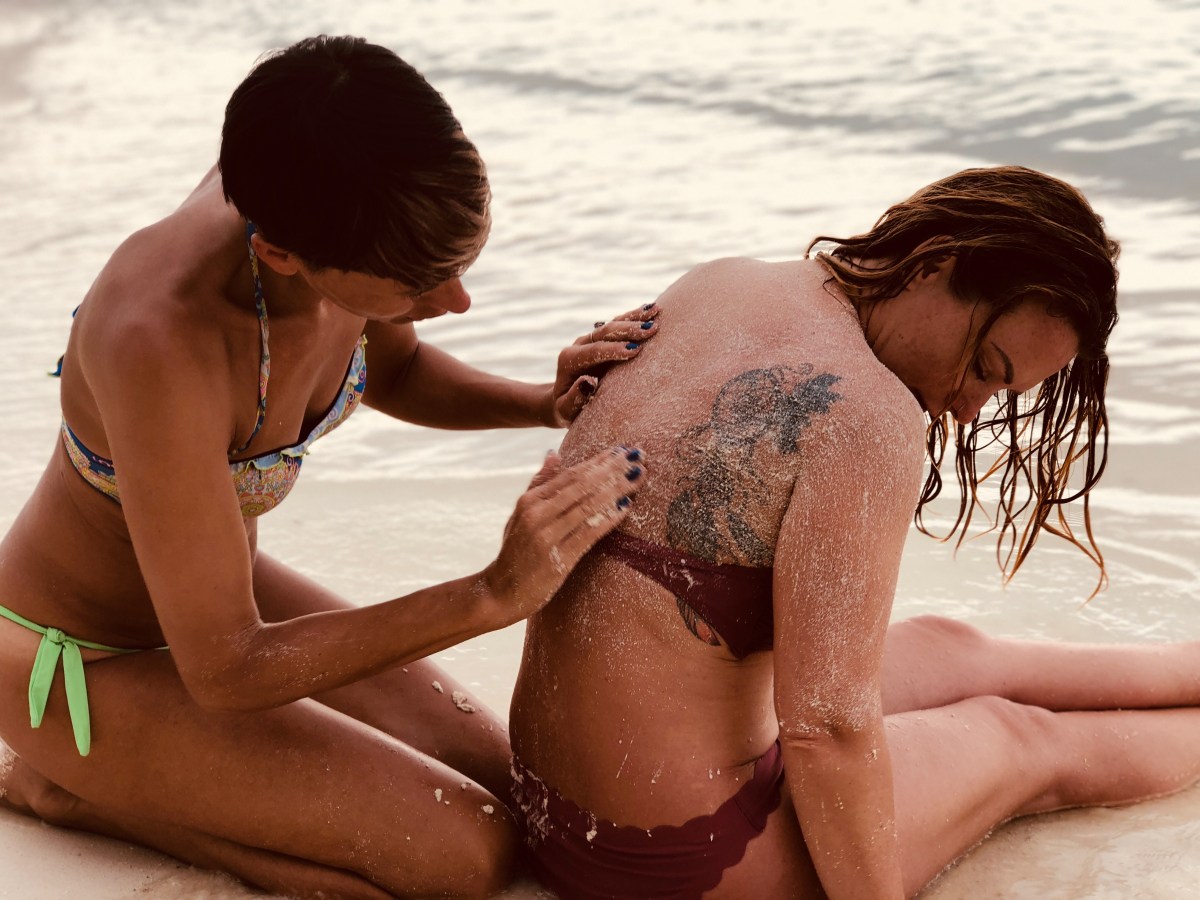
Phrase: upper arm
(838, 557)
(168, 430)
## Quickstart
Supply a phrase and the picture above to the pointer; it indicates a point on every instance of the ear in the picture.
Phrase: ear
(942, 263)
(932, 266)
(276, 258)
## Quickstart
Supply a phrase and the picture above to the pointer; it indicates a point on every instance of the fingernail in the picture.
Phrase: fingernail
(634, 474)
(597, 324)
(623, 503)
(587, 388)
(648, 307)
(646, 326)
(633, 455)
(632, 346)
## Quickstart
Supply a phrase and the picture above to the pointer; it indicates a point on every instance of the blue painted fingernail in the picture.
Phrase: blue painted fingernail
(587, 388)
(648, 307)
(623, 503)
(633, 455)
(597, 325)
(646, 326)
(632, 346)
(634, 474)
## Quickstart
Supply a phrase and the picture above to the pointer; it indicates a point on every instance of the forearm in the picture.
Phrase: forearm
(439, 391)
(841, 788)
(285, 661)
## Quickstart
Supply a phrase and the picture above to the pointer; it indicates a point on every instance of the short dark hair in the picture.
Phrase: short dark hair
(343, 154)
(1015, 235)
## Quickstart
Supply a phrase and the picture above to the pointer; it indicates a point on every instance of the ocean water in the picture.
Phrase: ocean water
(627, 142)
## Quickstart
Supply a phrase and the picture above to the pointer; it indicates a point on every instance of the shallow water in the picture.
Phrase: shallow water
(627, 142)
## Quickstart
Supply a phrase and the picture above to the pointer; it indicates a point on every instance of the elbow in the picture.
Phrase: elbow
(816, 737)
(223, 701)
(219, 692)
(822, 751)
(222, 682)
(832, 733)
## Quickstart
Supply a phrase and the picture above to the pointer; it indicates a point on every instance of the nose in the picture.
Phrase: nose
(450, 296)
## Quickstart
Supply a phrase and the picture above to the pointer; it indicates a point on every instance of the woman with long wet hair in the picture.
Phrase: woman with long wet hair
(715, 702)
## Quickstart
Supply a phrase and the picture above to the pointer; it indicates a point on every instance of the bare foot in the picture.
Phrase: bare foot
(25, 791)
(8, 761)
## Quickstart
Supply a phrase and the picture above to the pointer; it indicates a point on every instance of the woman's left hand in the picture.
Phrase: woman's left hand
(581, 365)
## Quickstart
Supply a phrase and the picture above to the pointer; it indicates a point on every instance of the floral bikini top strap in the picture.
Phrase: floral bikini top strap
(264, 365)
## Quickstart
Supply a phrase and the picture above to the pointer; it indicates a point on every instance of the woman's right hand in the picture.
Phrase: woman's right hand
(562, 514)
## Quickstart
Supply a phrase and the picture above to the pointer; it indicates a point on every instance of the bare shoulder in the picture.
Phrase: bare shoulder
(143, 336)
(872, 430)
(133, 318)
(713, 275)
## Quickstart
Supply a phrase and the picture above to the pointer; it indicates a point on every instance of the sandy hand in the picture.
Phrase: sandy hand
(582, 363)
(557, 520)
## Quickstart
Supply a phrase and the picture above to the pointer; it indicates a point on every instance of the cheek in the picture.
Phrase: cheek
(941, 377)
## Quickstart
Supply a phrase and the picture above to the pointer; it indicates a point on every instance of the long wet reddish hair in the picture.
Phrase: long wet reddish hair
(1015, 235)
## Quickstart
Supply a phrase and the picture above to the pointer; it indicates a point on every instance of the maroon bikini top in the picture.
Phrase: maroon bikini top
(734, 600)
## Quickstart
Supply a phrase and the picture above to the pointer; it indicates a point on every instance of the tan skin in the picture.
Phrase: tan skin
(903, 745)
(288, 736)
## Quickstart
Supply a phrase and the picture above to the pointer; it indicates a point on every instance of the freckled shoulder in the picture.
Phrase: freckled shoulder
(876, 422)
(713, 275)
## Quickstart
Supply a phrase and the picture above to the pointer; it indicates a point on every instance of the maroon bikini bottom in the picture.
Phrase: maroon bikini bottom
(581, 857)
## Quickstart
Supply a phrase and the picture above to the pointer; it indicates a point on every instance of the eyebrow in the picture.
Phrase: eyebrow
(1008, 366)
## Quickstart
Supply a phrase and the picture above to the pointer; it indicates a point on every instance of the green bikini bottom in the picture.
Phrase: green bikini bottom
(54, 646)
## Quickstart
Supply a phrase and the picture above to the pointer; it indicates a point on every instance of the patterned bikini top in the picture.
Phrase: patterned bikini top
(261, 481)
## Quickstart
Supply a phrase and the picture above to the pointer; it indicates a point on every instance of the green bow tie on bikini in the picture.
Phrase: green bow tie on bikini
(56, 645)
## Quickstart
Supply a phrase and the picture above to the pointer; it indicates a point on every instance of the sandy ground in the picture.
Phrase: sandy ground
(1065, 856)
(1070, 855)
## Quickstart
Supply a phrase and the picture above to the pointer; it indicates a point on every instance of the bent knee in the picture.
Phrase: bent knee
(478, 857)
(493, 851)
(1019, 725)
(940, 631)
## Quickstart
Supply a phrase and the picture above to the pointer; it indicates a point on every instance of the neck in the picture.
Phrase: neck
(862, 312)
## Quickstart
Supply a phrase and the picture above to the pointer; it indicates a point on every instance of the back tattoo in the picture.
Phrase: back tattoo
(758, 409)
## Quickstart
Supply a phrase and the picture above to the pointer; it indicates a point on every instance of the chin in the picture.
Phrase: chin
(416, 317)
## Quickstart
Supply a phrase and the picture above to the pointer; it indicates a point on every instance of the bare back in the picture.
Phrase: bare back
(625, 702)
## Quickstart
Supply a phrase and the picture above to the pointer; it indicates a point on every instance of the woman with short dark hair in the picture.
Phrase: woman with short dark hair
(212, 702)
(714, 704)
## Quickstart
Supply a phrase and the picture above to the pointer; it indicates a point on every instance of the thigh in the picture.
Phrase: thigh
(404, 701)
(958, 772)
(302, 780)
